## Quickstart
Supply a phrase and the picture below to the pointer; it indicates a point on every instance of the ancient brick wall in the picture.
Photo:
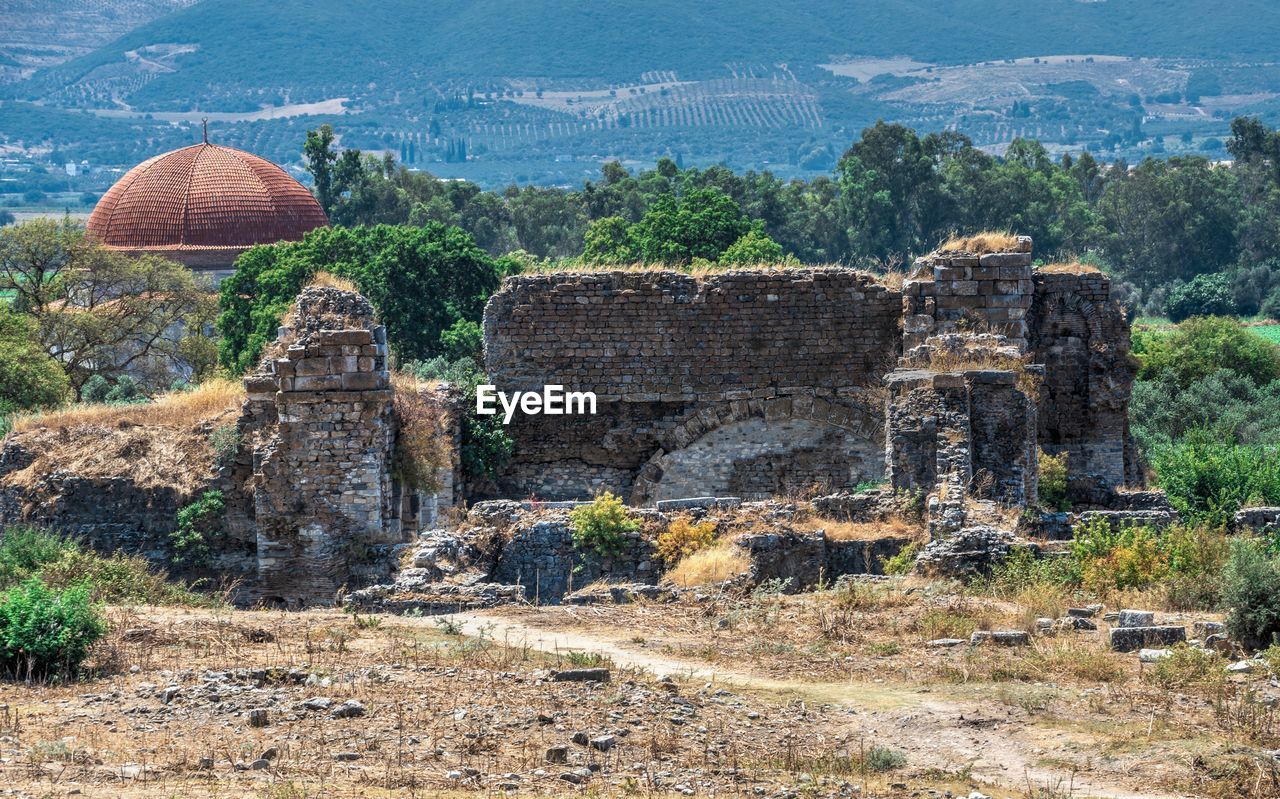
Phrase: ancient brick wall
(762, 375)
(1081, 336)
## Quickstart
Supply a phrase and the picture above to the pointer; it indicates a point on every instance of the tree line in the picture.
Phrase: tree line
(1155, 227)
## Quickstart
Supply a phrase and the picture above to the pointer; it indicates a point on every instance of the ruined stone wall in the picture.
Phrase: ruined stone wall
(751, 382)
(1081, 336)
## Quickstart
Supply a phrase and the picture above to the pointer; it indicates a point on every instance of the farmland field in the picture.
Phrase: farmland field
(1269, 332)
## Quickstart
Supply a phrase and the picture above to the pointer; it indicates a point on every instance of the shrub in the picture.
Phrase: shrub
(903, 562)
(1053, 480)
(682, 538)
(1120, 557)
(709, 566)
(43, 633)
(602, 525)
(1186, 666)
(1023, 571)
(1208, 478)
(1206, 295)
(124, 391)
(24, 550)
(224, 440)
(1251, 592)
(1201, 346)
(196, 522)
(882, 758)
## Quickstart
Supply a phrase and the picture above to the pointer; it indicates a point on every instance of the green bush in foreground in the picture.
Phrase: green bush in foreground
(45, 633)
(602, 525)
(30, 552)
(1251, 589)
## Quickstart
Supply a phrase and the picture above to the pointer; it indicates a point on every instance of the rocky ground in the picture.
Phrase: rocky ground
(823, 694)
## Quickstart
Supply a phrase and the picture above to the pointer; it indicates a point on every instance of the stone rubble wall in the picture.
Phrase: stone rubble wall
(764, 383)
(958, 291)
(1080, 334)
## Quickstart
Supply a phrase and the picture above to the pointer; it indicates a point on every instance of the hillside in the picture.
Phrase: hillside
(613, 40)
(36, 34)
(544, 91)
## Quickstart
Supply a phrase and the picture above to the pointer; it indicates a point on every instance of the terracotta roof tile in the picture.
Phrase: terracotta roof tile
(204, 197)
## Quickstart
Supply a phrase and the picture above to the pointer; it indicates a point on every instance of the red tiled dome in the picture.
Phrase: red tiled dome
(204, 200)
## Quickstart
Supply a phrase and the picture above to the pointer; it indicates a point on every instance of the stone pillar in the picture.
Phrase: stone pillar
(957, 292)
(324, 502)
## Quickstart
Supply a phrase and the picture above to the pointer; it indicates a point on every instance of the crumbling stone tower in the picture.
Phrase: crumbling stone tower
(1000, 360)
(319, 411)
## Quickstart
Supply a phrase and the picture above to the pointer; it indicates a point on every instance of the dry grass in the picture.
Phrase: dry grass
(708, 566)
(164, 443)
(179, 409)
(331, 281)
(1070, 268)
(988, 241)
(891, 279)
(895, 527)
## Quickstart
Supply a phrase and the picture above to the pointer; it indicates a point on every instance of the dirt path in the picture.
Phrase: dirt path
(996, 742)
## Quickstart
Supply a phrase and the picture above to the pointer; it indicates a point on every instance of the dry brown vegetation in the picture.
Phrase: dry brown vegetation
(178, 409)
(989, 241)
(160, 443)
(1071, 268)
(894, 526)
(443, 714)
(330, 280)
(715, 564)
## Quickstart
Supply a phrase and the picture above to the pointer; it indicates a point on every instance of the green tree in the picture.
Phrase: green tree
(891, 193)
(29, 378)
(422, 280)
(1170, 220)
(607, 242)
(98, 311)
(1205, 295)
(318, 152)
(754, 247)
(701, 224)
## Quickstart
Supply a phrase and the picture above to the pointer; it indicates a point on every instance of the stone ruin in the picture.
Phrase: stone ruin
(752, 384)
(761, 383)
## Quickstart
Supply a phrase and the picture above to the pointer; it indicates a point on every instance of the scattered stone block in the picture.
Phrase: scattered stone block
(1000, 638)
(1152, 655)
(1136, 618)
(258, 717)
(581, 675)
(1130, 639)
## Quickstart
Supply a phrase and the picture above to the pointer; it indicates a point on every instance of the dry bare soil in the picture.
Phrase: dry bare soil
(828, 694)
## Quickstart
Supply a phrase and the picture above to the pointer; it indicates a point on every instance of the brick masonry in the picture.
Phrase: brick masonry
(760, 383)
(746, 383)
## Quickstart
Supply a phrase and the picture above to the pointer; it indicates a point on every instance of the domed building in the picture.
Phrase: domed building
(202, 206)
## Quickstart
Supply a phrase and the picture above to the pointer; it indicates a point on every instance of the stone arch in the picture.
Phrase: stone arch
(758, 447)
